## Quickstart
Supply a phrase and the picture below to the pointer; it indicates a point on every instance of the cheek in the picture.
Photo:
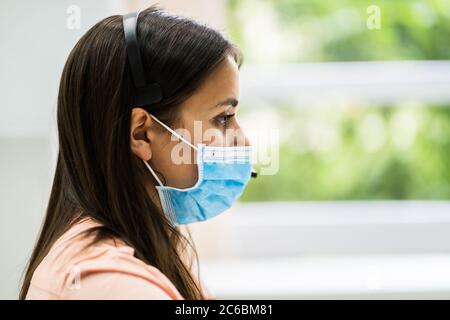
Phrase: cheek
(227, 137)
(213, 136)
(176, 174)
(183, 175)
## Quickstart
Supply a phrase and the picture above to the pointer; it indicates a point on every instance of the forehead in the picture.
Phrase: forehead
(222, 83)
(225, 76)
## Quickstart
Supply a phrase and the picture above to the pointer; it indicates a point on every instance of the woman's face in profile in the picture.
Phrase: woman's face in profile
(208, 116)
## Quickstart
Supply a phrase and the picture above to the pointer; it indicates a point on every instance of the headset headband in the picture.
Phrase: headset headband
(144, 93)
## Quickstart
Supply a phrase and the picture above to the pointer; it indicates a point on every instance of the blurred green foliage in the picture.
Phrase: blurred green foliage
(322, 30)
(360, 152)
(376, 153)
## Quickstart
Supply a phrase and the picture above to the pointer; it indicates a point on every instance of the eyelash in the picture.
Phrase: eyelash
(226, 118)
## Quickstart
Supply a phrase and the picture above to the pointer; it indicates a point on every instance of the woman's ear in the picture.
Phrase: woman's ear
(140, 135)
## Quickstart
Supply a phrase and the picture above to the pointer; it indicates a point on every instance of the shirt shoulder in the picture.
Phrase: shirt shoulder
(76, 269)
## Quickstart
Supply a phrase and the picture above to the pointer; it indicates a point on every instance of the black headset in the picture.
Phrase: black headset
(144, 93)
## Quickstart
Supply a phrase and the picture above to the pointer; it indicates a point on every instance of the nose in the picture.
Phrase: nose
(239, 138)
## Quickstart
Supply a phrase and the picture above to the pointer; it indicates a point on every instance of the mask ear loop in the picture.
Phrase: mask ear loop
(173, 132)
(153, 173)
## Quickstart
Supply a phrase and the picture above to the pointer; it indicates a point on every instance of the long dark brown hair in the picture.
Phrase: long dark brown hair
(97, 175)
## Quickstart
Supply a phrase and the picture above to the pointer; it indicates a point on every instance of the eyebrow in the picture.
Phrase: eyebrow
(228, 101)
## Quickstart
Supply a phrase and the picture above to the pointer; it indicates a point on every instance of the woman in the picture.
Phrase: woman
(125, 181)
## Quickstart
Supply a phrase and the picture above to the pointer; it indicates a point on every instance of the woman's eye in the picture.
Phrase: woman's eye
(223, 120)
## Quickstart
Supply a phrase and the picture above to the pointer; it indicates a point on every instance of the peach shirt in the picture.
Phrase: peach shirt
(106, 270)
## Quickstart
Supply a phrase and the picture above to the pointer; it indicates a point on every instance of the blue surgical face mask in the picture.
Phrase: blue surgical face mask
(223, 173)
